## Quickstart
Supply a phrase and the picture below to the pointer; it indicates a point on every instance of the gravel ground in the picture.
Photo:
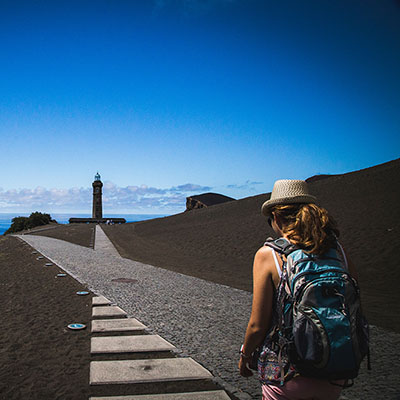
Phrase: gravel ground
(205, 320)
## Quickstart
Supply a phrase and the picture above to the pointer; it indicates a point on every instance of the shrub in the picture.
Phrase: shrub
(23, 223)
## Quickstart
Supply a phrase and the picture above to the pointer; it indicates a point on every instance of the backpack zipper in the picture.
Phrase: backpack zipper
(329, 269)
(303, 289)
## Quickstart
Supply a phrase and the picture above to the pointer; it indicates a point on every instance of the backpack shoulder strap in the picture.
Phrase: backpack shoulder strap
(281, 245)
(343, 254)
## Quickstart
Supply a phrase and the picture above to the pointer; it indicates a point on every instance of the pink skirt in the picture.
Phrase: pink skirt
(302, 388)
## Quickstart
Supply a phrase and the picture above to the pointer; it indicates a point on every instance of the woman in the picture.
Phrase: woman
(292, 214)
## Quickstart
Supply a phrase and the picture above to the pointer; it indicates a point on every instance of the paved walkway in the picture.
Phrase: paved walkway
(163, 365)
(205, 320)
(103, 243)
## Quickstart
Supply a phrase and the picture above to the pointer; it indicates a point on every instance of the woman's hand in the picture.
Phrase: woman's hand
(261, 311)
(244, 370)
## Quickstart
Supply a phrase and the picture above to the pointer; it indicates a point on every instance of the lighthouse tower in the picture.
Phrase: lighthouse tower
(97, 212)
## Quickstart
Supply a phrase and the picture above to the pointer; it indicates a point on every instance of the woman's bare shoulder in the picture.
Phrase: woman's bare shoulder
(265, 264)
(264, 251)
(263, 257)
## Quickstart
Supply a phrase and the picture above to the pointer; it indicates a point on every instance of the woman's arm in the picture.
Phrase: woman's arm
(261, 310)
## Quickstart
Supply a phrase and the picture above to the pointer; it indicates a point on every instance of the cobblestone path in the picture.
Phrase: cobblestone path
(205, 320)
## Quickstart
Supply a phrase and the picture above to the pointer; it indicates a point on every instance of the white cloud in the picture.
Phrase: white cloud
(248, 186)
(115, 198)
(190, 187)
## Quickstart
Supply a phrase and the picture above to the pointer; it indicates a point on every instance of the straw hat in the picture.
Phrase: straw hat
(288, 191)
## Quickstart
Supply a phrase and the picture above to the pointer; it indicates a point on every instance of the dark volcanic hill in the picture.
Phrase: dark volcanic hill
(205, 200)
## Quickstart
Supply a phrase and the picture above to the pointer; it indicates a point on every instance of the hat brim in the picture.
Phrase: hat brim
(266, 207)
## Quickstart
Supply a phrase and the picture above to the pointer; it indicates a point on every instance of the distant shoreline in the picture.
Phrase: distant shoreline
(5, 218)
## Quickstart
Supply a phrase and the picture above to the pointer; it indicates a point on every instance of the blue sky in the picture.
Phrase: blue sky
(169, 98)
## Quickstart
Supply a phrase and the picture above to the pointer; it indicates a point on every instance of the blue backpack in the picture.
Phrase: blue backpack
(321, 328)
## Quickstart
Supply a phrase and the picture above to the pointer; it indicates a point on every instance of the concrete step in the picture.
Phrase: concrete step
(117, 325)
(208, 395)
(146, 371)
(100, 301)
(108, 311)
(129, 344)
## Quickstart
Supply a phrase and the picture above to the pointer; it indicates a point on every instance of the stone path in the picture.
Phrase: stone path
(108, 311)
(117, 325)
(103, 243)
(138, 371)
(205, 320)
(145, 371)
(129, 344)
(100, 301)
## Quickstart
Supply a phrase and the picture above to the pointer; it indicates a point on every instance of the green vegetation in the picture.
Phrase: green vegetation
(23, 223)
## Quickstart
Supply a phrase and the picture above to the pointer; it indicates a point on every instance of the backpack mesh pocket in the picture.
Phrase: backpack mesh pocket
(307, 336)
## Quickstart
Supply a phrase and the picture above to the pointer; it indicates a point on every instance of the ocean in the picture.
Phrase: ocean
(5, 218)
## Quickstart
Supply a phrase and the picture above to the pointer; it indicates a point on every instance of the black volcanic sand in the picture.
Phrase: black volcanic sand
(82, 234)
(218, 243)
(40, 358)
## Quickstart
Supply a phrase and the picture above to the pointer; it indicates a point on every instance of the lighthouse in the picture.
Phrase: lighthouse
(97, 209)
(97, 212)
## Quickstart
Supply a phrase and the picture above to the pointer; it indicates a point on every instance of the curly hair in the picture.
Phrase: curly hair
(308, 226)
